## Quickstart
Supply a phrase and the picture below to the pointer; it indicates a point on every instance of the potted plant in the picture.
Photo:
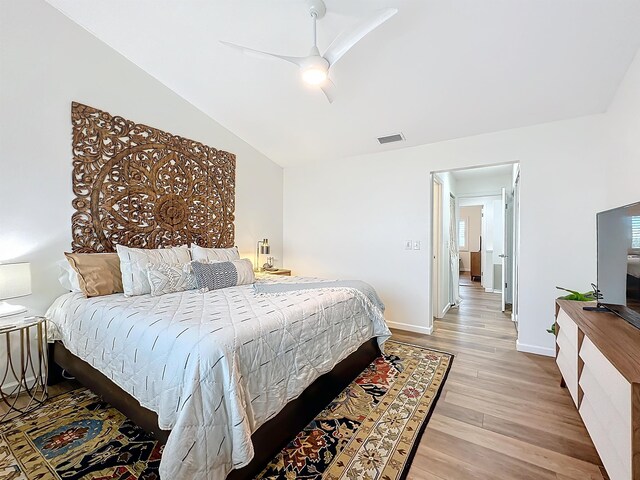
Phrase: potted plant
(577, 297)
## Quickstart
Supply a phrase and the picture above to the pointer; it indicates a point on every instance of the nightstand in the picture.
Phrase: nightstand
(278, 271)
(23, 380)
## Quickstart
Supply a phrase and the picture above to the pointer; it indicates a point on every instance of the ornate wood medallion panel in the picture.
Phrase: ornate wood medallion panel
(138, 186)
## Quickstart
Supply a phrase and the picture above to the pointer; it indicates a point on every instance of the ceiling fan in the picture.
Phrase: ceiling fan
(314, 68)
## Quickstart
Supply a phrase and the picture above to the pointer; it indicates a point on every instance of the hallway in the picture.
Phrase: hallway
(502, 413)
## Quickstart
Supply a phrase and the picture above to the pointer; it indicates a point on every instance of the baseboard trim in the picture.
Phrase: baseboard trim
(9, 387)
(411, 328)
(538, 350)
(445, 310)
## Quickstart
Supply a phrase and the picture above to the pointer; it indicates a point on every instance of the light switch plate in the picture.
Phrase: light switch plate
(408, 245)
(416, 244)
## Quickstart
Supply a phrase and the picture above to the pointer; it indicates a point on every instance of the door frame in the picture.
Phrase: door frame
(433, 303)
(454, 268)
(516, 246)
(437, 190)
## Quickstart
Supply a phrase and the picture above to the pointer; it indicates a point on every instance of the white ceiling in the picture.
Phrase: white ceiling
(437, 70)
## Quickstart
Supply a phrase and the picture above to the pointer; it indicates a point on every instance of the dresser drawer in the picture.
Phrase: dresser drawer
(615, 386)
(567, 357)
(568, 365)
(612, 461)
(618, 427)
(567, 326)
(567, 344)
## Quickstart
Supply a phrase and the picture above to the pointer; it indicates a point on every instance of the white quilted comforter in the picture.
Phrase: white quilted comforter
(215, 366)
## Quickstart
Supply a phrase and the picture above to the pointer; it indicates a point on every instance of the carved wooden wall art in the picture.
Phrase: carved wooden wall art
(141, 187)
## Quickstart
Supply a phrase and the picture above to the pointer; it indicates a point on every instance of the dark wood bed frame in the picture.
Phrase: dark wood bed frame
(268, 440)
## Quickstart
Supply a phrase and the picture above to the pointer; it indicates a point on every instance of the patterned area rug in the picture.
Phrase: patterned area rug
(370, 431)
(76, 436)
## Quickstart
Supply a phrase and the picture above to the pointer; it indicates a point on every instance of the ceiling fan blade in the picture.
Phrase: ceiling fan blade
(329, 90)
(258, 53)
(346, 40)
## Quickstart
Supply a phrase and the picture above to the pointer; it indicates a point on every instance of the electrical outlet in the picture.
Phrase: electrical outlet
(416, 244)
(408, 245)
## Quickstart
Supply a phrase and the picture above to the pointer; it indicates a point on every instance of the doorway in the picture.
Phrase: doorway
(475, 237)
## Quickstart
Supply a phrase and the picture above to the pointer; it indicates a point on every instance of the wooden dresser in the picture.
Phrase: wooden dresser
(476, 265)
(598, 355)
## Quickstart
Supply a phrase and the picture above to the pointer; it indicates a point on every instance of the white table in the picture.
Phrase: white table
(23, 373)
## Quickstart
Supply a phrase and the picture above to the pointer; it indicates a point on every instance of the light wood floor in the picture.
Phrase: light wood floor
(502, 413)
(52, 392)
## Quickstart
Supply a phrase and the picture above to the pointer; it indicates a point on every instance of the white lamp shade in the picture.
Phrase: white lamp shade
(15, 280)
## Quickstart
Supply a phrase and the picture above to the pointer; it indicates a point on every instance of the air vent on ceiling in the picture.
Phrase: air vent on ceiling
(396, 137)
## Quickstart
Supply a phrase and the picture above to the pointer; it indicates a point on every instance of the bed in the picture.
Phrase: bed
(214, 366)
(226, 377)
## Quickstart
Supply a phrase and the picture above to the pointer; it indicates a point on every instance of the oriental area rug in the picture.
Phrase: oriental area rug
(371, 430)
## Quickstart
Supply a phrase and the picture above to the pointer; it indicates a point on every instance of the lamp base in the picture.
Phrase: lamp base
(6, 309)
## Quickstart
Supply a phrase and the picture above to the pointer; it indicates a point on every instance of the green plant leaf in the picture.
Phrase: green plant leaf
(577, 296)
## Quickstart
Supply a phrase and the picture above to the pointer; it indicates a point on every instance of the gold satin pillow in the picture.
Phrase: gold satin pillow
(98, 273)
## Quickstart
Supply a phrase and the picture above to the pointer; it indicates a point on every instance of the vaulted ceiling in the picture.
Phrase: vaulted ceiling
(437, 70)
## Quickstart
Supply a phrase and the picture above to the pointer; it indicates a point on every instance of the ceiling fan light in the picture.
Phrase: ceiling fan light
(314, 75)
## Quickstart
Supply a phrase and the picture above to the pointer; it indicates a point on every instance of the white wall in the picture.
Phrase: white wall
(478, 187)
(621, 168)
(350, 217)
(46, 62)
(569, 171)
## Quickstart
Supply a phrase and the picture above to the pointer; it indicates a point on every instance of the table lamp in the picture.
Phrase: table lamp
(15, 281)
(262, 248)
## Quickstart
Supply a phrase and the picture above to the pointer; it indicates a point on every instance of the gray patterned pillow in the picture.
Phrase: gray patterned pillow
(168, 278)
(214, 276)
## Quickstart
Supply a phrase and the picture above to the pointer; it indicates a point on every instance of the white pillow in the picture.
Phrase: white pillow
(165, 278)
(200, 254)
(68, 277)
(134, 262)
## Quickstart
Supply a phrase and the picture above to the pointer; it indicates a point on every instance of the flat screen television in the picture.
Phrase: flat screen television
(619, 261)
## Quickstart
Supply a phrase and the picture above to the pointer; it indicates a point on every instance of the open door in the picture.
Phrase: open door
(508, 253)
(504, 256)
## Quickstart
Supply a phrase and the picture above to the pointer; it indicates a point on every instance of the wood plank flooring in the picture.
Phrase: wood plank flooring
(52, 392)
(502, 414)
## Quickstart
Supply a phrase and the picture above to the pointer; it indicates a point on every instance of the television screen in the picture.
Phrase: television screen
(619, 261)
